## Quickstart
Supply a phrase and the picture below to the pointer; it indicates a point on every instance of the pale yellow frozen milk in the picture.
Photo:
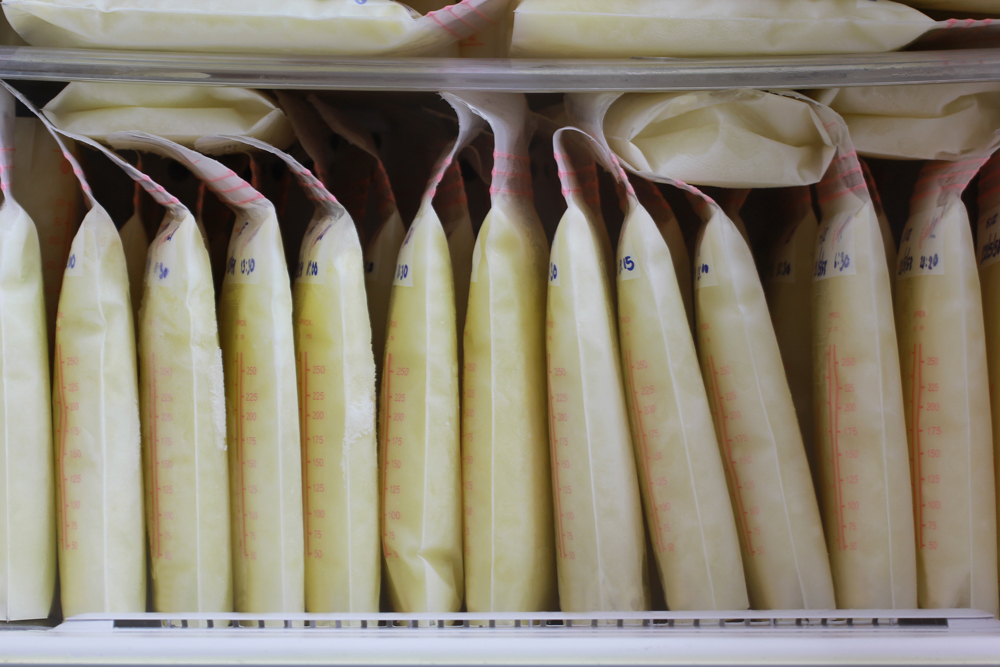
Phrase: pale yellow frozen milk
(942, 352)
(419, 420)
(95, 404)
(784, 555)
(318, 27)
(135, 243)
(988, 256)
(681, 474)
(27, 517)
(858, 400)
(382, 249)
(453, 209)
(255, 331)
(50, 194)
(509, 540)
(694, 28)
(336, 374)
(600, 537)
(788, 289)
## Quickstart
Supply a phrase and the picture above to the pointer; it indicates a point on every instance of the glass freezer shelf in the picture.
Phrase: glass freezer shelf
(514, 75)
(931, 637)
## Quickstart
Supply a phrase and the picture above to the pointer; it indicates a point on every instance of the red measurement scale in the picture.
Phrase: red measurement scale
(314, 493)
(926, 453)
(393, 479)
(844, 458)
(71, 470)
(162, 429)
(560, 444)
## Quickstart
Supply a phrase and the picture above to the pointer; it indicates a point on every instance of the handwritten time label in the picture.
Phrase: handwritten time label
(704, 267)
(921, 248)
(243, 265)
(628, 263)
(988, 239)
(835, 248)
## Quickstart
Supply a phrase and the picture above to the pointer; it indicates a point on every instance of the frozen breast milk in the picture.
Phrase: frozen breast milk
(510, 557)
(858, 399)
(690, 519)
(28, 516)
(656, 205)
(177, 113)
(600, 538)
(50, 194)
(769, 481)
(383, 248)
(319, 27)
(919, 122)
(694, 28)
(988, 254)
(95, 406)
(939, 317)
(135, 243)
(337, 405)
(419, 420)
(182, 403)
(788, 289)
(729, 138)
(255, 331)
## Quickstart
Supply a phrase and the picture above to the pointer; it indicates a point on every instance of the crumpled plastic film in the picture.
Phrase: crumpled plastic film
(262, 426)
(728, 138)
(697, 28)
(95, 406)
(27, 510)
(948, 121)
(179, 113)
(319, 27)
(942, 353)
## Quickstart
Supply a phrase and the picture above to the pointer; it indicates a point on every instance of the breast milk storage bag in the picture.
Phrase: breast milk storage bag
(331, 27)
(693, 28)
(182, 404)
(690, 519)
(28, 524)
(135, 243)
(337, 404)
(96, 425)
(860, 434)
(600, 540)
(742, 139)
(419, 421)
(942, 353)
(383, 247)
(510, 560)
(255, 330)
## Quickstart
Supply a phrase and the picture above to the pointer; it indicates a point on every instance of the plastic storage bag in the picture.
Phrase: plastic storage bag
(419, 420)
(509, 537)
(942, 351)
(255, 330)
(788, 289)
(695, 28)
(888, 241)
(683, 482)
(858, 399)
(178, 113)
(28, 514)
(919, 122)
(330, 27)
(600, 537)
(135, 244)
(729, 138)
(95, 401)
(50, 194)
